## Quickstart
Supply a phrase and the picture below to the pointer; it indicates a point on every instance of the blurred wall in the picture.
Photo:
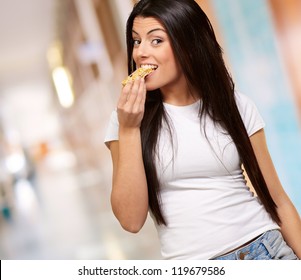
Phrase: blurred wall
(252, 46)
(261, 46)
(287, 23)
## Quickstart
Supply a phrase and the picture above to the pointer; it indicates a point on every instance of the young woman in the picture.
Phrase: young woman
(179, 138)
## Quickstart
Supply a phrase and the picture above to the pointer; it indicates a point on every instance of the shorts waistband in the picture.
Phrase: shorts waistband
(255, 239)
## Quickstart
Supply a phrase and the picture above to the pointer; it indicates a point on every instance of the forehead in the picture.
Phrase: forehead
(145, 24)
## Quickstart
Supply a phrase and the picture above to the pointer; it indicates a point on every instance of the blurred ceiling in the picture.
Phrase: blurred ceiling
(26, 30)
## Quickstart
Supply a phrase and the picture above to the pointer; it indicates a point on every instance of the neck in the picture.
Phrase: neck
(179, 95)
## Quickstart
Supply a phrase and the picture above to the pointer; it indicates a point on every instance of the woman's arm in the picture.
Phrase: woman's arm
(291, 222)
(129, 196)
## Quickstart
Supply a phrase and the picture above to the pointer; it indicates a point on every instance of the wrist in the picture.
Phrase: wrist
(129, 131)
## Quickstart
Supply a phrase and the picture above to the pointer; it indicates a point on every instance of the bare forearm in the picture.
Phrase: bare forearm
(291, 224)
(129, 194)
(291, 227)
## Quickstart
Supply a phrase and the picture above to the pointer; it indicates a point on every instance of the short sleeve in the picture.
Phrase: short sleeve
(249, 113)
(112, 128)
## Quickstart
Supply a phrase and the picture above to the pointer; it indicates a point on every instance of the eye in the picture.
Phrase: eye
(156, 41)
(136, 42)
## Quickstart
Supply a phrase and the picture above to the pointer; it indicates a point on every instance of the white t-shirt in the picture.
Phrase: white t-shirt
(208, 207)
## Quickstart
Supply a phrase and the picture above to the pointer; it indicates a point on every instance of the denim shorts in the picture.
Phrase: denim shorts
(268, 246)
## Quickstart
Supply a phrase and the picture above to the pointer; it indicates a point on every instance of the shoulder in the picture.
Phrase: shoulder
(249, 113)
(243, 100)
(245, 104)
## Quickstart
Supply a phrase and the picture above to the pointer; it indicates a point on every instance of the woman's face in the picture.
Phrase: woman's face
(152, 47)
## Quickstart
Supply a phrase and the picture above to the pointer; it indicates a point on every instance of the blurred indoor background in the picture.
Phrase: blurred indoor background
(61, 63)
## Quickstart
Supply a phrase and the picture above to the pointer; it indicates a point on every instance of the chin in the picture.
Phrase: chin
(151, 87)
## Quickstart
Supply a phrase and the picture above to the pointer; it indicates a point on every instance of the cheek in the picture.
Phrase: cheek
(134, 55)
(170, 60)
(173, 69)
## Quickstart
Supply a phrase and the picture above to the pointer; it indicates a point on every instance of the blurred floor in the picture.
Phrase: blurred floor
(67, 215)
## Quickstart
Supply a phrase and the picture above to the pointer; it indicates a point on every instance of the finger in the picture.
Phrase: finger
(125, 93)
(144, 93)
(138, 106)
(134, 92)
(140, 99)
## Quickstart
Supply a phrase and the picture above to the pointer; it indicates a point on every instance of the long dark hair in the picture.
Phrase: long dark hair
(200, 57)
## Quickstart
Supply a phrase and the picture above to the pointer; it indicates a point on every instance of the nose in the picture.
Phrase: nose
(141, 50)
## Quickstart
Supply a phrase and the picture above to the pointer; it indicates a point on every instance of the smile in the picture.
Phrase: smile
(147, 66)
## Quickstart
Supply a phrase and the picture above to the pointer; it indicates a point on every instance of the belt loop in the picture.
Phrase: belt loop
(241, 255)
(268, 247)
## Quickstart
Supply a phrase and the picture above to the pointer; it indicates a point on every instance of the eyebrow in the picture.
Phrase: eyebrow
(153, 30)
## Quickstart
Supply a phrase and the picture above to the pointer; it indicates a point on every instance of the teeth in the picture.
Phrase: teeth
(146, 66)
